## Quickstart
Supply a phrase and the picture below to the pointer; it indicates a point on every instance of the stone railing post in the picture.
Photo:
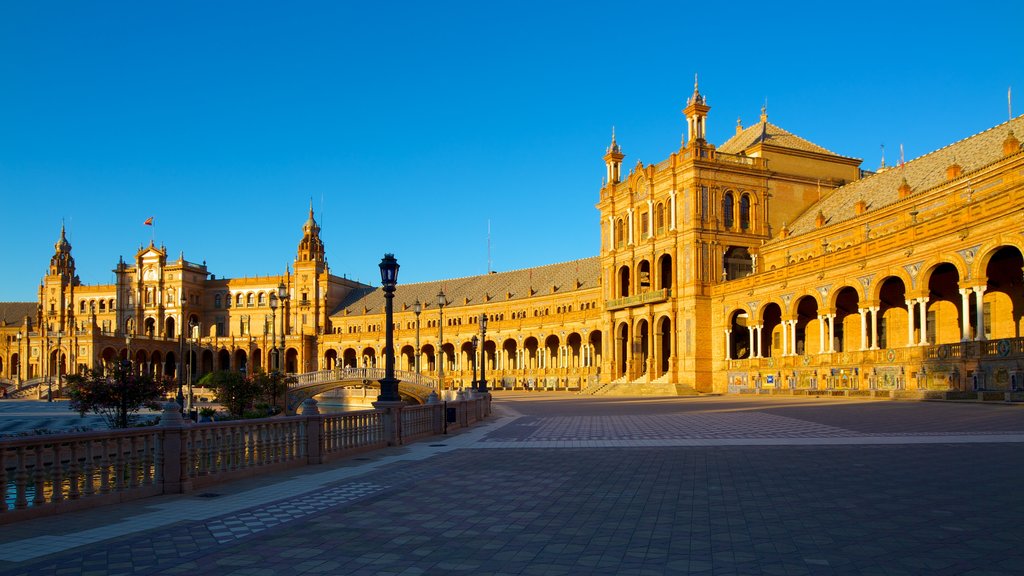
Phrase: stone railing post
(314, 430)
(172, 425)
(392, 421)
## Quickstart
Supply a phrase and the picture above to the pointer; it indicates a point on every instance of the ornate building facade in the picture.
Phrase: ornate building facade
(766, 263)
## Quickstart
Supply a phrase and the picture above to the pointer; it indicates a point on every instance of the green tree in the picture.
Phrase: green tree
(233, 389)
(117, 393)
(273, 385)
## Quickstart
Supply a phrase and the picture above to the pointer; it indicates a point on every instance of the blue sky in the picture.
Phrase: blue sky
(410, 125)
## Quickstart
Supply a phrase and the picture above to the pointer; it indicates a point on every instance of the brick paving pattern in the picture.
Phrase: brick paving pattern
(947, 507)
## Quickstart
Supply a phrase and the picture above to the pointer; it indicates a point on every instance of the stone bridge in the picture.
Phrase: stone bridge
(411, 386)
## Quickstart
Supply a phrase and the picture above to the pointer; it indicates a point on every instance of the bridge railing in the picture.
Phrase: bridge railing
(354, 373)
(51, 474)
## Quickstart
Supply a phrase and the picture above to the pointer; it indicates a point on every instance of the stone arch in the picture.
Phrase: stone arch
(643, 276)
(665, 274)
(930, 266)
(551, 344)
(508, 348)
(348, 358)
(942, 282)
(770, 316)
(368, 357)
(890, 293)
(833, 295)
(330, 358)
(291, 361)
(805, 312)
(663, 333)
(641, 346)
(223, 360)
(985, 253)
(737, 262)
(739, 333)
(574, 344)
(622, 281)
(622, 344)
(1004, 292)
(846, 303)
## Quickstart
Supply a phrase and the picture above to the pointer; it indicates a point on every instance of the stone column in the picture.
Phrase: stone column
(728, 350)
(874, 327)
(831, 333)
(863, 328)
(785, 338)
(821, 335)
(793, 337)
(923, 311)
(910, 322)
(979, 314)
(965, 312)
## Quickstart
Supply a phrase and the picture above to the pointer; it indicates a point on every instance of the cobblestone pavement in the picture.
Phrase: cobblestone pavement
(570, 485)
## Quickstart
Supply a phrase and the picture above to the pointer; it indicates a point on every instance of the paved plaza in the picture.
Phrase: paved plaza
(560, 484)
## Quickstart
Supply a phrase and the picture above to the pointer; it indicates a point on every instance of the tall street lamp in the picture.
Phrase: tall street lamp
(482, 384)
(441, 301)
(20, 358)
(273, 332)
(192, 328)
(417, 308)
(180, 398)
(476, 343)
(388, 279)
(282, 295)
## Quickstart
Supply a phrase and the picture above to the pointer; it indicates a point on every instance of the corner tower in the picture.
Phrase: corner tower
(696, 112)
(309, 286)
(58, 288)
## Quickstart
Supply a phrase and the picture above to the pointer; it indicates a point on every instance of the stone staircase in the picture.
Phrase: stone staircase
(660, 386)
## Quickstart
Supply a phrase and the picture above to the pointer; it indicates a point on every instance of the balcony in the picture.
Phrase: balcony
(652, 297)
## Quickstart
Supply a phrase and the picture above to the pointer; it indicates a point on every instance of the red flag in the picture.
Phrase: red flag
(148, 222)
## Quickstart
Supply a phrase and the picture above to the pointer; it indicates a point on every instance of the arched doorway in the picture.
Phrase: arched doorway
(847, 320)
(530, 346)
(665, 266)
(771, 331)
(664, 334)
(508, 349)
(170, 365)
(641, 347)
(207, 362)
(622, 345)
(623, 281)
(944, 305)
(330, 359)
(241, 361)
(349, 358)
(223, 360)
(369, 357)
(595, 353)
(1004, 296)
(551, 352)
(643, 270)
(806, 321)
(739, 335)
(893, 318)
(575, 344)
(169, 327)
(291, 361)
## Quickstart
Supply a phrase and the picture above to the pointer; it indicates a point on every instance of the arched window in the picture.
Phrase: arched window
(620, 233)
(659, 218)
(238, 300)
(249, 299)
(81, 307)
(216, 300)
(727, 217)
(745, 212)
(262, 299)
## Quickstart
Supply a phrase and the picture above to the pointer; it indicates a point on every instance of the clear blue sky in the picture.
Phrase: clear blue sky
(411, 124)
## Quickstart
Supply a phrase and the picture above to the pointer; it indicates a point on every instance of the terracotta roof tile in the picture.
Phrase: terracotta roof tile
(497, 286)
(769, 134)
(13, 313)
(922, 173)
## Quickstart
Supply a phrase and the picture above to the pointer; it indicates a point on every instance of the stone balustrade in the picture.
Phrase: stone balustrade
(52, 474)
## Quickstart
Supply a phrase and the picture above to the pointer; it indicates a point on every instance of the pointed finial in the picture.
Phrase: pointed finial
(695, 82)
(764, 110)
(310, 206)
(883, 155)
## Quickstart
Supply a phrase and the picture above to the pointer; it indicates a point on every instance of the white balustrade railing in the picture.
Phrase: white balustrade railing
(48, 474)
(351, 373)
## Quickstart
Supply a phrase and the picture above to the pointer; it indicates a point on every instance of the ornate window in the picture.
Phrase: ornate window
(745, 212)
(727, 210)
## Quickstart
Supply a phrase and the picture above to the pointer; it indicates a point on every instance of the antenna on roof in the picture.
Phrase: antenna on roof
(883, 155)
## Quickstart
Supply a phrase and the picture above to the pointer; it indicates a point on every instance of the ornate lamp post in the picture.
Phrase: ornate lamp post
(482, 384)
(442, 300)
(476, 344)
(192, 326)
(273, 332)
(388, 279)
(180, 398)
(417, 308)
(282, 295)
(19, 359)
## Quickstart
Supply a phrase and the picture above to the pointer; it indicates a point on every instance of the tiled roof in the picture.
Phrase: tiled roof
(13, 313)
(769, 134)
(566, 276)
(922, 173)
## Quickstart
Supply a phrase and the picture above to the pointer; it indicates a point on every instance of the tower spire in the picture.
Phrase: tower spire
(696, 112)
(613, 160)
